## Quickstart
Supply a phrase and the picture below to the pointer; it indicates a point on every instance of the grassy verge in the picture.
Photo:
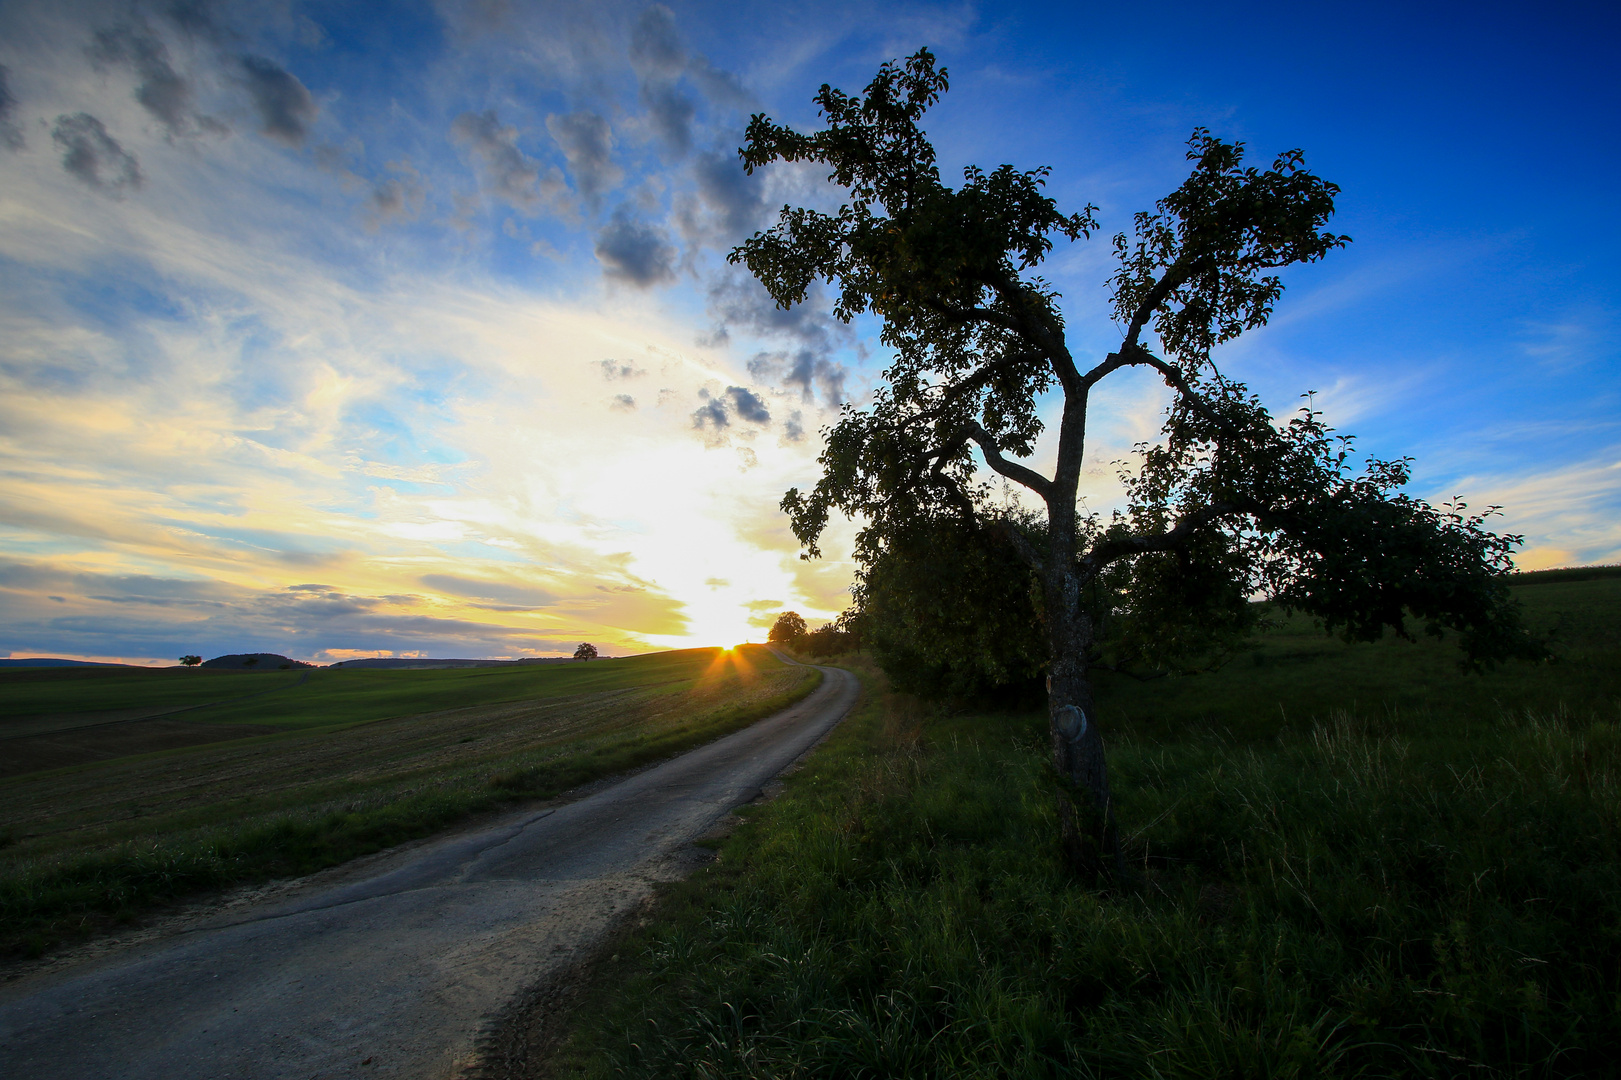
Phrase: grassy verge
(87, 847)
(1421, 888)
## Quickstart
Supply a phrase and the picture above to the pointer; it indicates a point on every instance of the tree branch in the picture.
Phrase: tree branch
(1107, 551)
(1131, 355)
(979, 379)
(1010, 469)
(1021, 544)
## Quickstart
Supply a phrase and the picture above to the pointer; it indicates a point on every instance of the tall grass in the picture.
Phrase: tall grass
(1389, 894)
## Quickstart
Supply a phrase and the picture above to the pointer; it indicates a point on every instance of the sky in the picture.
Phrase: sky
(351, 329)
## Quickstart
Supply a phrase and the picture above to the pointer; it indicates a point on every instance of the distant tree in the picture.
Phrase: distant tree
(829, 640)
(789, 628)
(1230, 504)
(191, 661)
(251, 661)
(586, 651)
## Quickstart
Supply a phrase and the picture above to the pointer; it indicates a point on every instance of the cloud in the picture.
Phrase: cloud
(400, 195)
(620, 369)
(715, 416)
(811, 333)
(587, 144)
(162, 91)
(711, 414)
(729, 206)
(11, 135)
(805, 370)
(286, 109)
(655, 44)
(635, 252)
(195, 20)
(748, 405)
(623, 403)
(94, 156)
(661, 61)
(514, 177)
(519, 596)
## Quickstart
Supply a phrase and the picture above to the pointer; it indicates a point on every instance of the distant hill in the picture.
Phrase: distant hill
(258, 661)
(424, 664)
(51, 661)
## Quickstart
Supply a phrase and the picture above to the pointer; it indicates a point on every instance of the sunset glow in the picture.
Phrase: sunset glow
(415, 334)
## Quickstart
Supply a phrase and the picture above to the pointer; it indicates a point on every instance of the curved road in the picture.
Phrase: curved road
(394, 971)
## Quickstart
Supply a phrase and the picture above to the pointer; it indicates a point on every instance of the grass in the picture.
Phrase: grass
(28, 691)
(1352, 862)
(86, 847)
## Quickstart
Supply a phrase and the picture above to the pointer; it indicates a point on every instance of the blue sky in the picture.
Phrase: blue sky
(345, 329)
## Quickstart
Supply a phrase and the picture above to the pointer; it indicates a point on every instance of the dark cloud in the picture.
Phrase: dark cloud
(661, 61)
(635, 252)
(810, 333)
(721, 87)
(623, 403)
(94, 156)
(620, 369)
(400, 195)
(286, 109)
(734, 201)
(803, 369)
(714, 415)
(748, 405)
(587, 144)
(10, 134)
(515, 178)
(671, 113)
(793, 429)
(711, 414)
(195, 18)
(162, 91)
(655, 44)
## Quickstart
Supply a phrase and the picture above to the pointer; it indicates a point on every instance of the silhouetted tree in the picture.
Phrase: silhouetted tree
(789, 628)
(586, 651)
(1228, 505)
(191, 661)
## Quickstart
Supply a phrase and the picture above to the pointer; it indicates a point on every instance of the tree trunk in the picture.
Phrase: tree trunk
(1088, 834)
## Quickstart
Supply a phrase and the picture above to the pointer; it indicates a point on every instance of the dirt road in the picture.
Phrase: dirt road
(394, 970)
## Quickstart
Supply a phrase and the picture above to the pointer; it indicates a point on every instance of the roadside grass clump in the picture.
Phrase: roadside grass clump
(1386, 890)
(316, 813)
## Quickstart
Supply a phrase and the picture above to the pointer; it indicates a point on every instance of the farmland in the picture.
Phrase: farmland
(282, 773)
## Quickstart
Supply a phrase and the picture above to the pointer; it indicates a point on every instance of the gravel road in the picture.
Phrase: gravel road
(396, 968)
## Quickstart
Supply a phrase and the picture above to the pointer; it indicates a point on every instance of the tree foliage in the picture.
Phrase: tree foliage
(586, 651)
(789, 628)
(191, 660)
(1229, 504)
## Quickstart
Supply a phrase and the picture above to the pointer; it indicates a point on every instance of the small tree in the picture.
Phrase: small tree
(789, 628)
(1228, 505)
(586, 651)
(191, 661)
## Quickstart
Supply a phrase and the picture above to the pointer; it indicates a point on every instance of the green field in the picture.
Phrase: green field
(1345, 861)
(329, 765)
